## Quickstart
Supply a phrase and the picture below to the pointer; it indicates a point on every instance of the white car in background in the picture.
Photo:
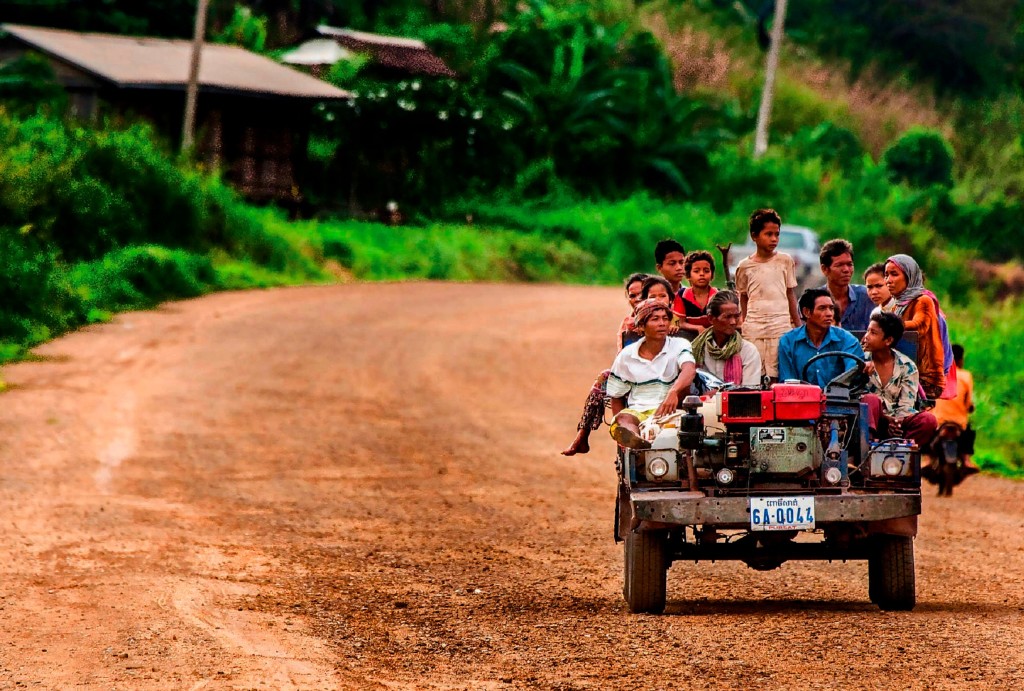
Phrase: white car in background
(798, 242)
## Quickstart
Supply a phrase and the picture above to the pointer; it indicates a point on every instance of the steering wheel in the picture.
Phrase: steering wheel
(861, 362)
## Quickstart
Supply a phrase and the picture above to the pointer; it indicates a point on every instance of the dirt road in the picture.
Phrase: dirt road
(358, 487)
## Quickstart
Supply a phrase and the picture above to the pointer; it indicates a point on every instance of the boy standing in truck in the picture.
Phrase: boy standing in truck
(766, 282)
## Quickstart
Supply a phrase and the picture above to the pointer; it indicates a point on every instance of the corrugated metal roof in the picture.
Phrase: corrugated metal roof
(319, 51)
(375, 39)
(138, 61)
(405, 54)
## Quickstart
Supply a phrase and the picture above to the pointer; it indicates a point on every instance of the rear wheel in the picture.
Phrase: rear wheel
(873, 579)
(891, 581)
(950, 477)
(646, 562)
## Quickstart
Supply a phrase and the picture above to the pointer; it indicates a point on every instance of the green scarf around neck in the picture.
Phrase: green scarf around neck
(706, 341)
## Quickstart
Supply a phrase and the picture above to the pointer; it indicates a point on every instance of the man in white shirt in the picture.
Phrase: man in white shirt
(648, 377)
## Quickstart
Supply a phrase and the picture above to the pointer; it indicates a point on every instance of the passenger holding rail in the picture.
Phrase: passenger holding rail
(648, 377)
(893, 384)
(721, 349)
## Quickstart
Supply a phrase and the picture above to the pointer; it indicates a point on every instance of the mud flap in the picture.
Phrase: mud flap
(624, 521)
(905, 526)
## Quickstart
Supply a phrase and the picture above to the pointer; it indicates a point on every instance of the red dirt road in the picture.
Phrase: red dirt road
(345, 488)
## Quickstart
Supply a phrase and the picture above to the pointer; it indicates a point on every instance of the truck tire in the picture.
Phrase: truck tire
(949, 478)
(891, 581)
(646, 565)
(873, 579)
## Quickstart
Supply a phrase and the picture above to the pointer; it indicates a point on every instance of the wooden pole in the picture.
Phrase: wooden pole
(764, 113)
(188, 129)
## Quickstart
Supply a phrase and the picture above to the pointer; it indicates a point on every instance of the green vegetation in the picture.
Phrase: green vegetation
(993, 339)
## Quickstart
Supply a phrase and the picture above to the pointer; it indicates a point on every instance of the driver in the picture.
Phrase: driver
(648, 376)
(817, 335)
(893, 383)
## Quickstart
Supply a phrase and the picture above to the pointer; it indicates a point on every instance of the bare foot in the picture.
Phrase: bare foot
(581, 444)
(630, 438)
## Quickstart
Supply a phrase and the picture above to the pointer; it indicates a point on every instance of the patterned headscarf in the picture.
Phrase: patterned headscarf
(643, 311)
(915, 282)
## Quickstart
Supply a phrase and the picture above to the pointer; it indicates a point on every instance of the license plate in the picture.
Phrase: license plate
(782, 513)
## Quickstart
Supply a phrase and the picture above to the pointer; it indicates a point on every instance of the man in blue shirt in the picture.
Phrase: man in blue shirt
(852, 302)
(817, 335)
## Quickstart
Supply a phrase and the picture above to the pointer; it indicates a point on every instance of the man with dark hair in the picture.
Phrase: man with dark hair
(893, 383)
(817, 335)
(853, 306)
(670, 260)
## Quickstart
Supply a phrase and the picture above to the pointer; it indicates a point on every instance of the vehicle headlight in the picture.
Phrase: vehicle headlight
(725, 476)
(657, 467)
(892, 465)
(833, 476)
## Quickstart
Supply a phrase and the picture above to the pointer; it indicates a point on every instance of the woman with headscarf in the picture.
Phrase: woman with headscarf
(919, 309)
(721, 350)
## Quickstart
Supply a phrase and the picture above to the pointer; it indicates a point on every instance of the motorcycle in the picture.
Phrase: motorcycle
(947, 469)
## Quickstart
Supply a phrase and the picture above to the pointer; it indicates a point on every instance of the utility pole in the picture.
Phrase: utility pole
(764, 113)
(188, 130)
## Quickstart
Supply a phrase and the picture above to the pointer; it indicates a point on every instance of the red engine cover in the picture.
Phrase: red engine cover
(748, 406)
(798, 401)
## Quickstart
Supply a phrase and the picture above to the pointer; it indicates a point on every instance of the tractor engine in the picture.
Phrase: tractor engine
(772, 432)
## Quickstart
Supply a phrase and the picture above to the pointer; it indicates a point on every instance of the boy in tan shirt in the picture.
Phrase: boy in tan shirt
(766, 281)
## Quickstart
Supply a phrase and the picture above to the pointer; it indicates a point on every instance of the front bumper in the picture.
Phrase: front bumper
(694, 508)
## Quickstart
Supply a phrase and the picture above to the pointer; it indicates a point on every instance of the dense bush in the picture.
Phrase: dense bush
(87, 192)
(835, 145)
(30, 295)
(141, 276)
(921, 157)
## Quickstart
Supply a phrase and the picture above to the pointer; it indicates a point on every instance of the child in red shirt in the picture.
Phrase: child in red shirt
(691, 303)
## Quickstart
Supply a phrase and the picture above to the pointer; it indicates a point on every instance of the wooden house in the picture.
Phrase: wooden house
(253, 114)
